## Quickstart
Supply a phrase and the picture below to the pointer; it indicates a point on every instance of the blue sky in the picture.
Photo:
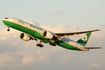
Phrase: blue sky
(83, 13)
(56, 16)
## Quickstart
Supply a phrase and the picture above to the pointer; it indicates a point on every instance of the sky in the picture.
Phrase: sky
(56, 16)
(82, 13)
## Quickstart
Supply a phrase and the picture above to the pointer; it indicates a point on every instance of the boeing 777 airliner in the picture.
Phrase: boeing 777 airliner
(32, 32)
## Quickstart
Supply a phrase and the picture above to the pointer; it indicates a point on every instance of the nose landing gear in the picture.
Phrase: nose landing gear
(8, 29)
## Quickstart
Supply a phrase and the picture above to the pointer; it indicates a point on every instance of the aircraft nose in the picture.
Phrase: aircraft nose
(5, 20)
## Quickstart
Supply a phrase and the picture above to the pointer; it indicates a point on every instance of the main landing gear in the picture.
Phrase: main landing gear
(52, 44)
(39, 45)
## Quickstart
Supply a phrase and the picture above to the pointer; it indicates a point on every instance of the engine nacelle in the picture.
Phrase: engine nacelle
(48, 35)
(25, 37)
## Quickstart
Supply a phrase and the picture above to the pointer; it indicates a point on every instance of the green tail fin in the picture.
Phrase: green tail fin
(84, 39)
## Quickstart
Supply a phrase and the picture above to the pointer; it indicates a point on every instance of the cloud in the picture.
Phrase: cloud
(27, 60)
(19, 55)
(5, 60)
(59, 12)
(95, 65)
(55, 13)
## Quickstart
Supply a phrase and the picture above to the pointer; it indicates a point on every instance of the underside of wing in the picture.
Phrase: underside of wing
(63, 35)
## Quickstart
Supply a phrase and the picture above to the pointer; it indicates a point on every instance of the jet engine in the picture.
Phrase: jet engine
(25, 37)
(49, 35)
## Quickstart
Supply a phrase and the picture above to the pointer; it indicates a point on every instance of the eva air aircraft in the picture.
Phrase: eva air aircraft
(32, 32)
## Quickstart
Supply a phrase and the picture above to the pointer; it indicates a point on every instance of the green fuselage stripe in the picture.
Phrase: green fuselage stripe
(24, 29)
(39, 36)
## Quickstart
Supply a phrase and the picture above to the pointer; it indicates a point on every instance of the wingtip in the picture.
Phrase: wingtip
(93, 47)
(98, 30)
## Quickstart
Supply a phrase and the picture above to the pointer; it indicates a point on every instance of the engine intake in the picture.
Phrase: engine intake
(25, 37)
(49, 35)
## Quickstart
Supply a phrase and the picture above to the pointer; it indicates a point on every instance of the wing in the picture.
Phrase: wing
(63, 35)
(92, 47)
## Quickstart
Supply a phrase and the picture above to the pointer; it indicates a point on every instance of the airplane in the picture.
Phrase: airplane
(32, 32)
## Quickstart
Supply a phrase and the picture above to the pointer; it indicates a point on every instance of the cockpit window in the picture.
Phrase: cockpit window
(6, 18)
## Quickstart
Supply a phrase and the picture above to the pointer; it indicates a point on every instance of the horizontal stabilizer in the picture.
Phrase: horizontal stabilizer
(92, 47)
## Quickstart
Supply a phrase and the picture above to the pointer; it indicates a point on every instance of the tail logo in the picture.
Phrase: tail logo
(84, 38)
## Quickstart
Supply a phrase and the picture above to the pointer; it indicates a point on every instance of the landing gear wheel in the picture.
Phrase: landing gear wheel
(52, 44)
(8, 29)
(40, 45)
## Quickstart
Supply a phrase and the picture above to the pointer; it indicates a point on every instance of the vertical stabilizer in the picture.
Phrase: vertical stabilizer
(84, 39)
